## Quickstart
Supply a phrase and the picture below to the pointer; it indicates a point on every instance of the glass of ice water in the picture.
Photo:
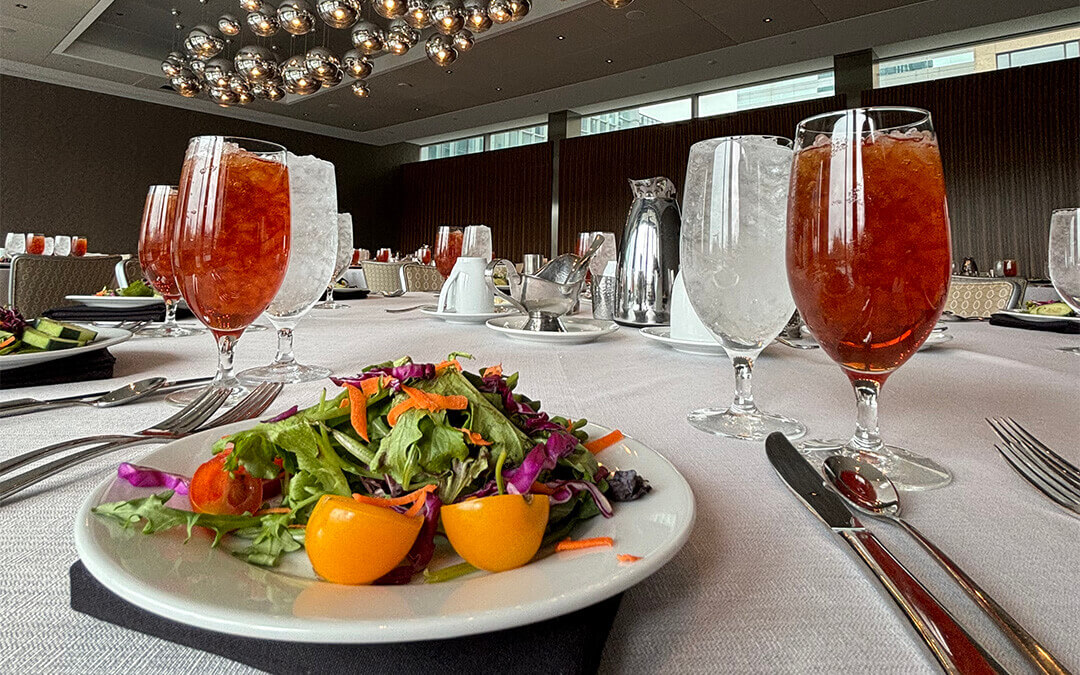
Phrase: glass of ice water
(313, 254)
(341, 265)
(733, 262)
(1064, 257)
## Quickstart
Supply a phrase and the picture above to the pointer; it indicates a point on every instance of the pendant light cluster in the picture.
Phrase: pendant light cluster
(376, 27)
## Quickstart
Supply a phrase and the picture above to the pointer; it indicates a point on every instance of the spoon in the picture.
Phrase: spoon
(122, 396)
(869, 490)
(399, 310)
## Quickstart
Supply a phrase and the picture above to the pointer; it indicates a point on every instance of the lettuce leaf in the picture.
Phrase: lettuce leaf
(159, 517)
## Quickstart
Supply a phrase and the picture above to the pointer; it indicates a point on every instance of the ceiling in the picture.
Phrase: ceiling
(566, 54)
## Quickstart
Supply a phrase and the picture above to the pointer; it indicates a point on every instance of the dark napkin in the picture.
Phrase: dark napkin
(566, 644)
(348, 293)
(95, 365)
(81, 313)
(1054, 326)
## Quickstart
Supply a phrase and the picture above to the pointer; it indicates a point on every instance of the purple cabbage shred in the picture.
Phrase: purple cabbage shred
(144, 476)
(283, 416)
(422, 549)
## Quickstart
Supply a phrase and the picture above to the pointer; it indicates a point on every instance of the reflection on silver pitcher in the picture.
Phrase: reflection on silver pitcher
(649, 259)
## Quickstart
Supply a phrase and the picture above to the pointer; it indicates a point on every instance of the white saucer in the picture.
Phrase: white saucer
(455, 317)
(662, 334)
(116, 301)
(578, 331)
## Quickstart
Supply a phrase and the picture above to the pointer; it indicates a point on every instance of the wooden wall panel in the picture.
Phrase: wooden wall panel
(1010, 145)
(593, 190)
(508, 190)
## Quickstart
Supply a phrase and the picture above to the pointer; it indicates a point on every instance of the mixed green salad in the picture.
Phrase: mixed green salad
(136, 289)
(418, 437)
(20, 336)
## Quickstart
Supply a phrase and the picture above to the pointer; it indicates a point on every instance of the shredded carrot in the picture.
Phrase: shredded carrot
(422, 398)
(6, 342)
(344, 403)
(541, 489)
(474, 438)
(627, 558)
(266, 512)
(395, 501)
(399, 409)
(296, 526)
(441, 367)
(414, 510)
(370, 386)
(358, 413)
(572, 545)
(492, 370)
(604, 442)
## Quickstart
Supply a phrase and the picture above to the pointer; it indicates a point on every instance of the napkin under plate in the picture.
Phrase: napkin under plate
(567, 644)
(93, 365)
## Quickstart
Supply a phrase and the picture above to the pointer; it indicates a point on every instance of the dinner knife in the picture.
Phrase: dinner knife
(951, 645)
(14, 406)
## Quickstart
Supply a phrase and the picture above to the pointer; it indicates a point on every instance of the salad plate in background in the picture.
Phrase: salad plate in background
(459, 317)
(115, 301)
(106, 337)
(662, 335)
(283, 599)
(578, 331)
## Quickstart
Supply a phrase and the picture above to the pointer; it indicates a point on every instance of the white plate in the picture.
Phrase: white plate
(1039, 317)
(662, 334)
(454, 317)
(578, 331)
(115, 301)
(208, 588)
(106, 337)
(935, 339)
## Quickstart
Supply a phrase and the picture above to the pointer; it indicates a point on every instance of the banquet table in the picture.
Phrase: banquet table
(761, 585)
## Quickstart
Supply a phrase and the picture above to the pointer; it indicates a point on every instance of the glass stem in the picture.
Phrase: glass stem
(170, 313)
(284, 347)
(330, 294)
(744, 397)
(225, 376)
(867, 437)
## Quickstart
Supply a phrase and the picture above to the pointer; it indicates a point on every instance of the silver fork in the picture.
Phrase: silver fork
(255, 403)
(1049, 472)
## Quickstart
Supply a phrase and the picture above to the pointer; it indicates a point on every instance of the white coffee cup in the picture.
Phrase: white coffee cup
(685, 324)
(465, 290)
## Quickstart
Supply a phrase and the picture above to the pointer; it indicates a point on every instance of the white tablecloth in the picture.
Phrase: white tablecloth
(761, 586)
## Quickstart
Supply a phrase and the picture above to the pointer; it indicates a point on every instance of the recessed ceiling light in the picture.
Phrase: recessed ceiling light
(560, 37)
(416, 109)
(403, 84)
(608, 60)
(449, 72)
(498, 88)
(767, 19)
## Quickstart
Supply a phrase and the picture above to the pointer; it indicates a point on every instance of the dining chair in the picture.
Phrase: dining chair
(128, 270)
(979, 297)
(417, 277)
(383, 277)
(41, 282)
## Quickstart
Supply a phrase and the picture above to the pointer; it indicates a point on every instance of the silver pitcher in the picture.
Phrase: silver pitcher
(649, 259)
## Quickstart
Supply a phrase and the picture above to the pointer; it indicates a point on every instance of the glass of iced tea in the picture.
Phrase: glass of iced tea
(448, 242)
(230, 244)
(155, 257)
(78, 246)
(35, 244)
(868, 259)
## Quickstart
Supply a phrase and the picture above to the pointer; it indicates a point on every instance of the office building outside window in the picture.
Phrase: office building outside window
(789, 90)
(462, 146)
(516, 137)
(641, 116)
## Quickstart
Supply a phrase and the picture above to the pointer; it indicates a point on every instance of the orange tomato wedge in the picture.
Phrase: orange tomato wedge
(497, 533)
(349, 542)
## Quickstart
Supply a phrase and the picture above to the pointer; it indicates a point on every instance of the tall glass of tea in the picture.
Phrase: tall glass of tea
(448, 241)
(155, 257)
(230, 245)
(868, 259)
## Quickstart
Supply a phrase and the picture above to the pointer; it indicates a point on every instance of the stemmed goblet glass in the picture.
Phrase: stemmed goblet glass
(155, 257)
(869, 258)
(732, 261)
(448, 242)
(1065, 259)
(231, 241)
(312, 254)
(341, 260)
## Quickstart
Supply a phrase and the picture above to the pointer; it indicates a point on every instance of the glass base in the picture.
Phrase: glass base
(331, 305)
(907, 470)
(256, 327)
(1070, 350)
(186, 397)
(165, 330)
(288, 373)
(744, 426)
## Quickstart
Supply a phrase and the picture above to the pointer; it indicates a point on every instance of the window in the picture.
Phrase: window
(801, 88)
(642, 116)
(516, 137)
(462, 146)
(1008, 52)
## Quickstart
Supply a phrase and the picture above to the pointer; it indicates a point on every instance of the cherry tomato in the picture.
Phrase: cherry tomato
(213, 490)
(497, 533)
(353, 543)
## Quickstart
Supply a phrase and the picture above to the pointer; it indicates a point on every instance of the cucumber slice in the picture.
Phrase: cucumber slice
(35, 338)
(68, 331)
